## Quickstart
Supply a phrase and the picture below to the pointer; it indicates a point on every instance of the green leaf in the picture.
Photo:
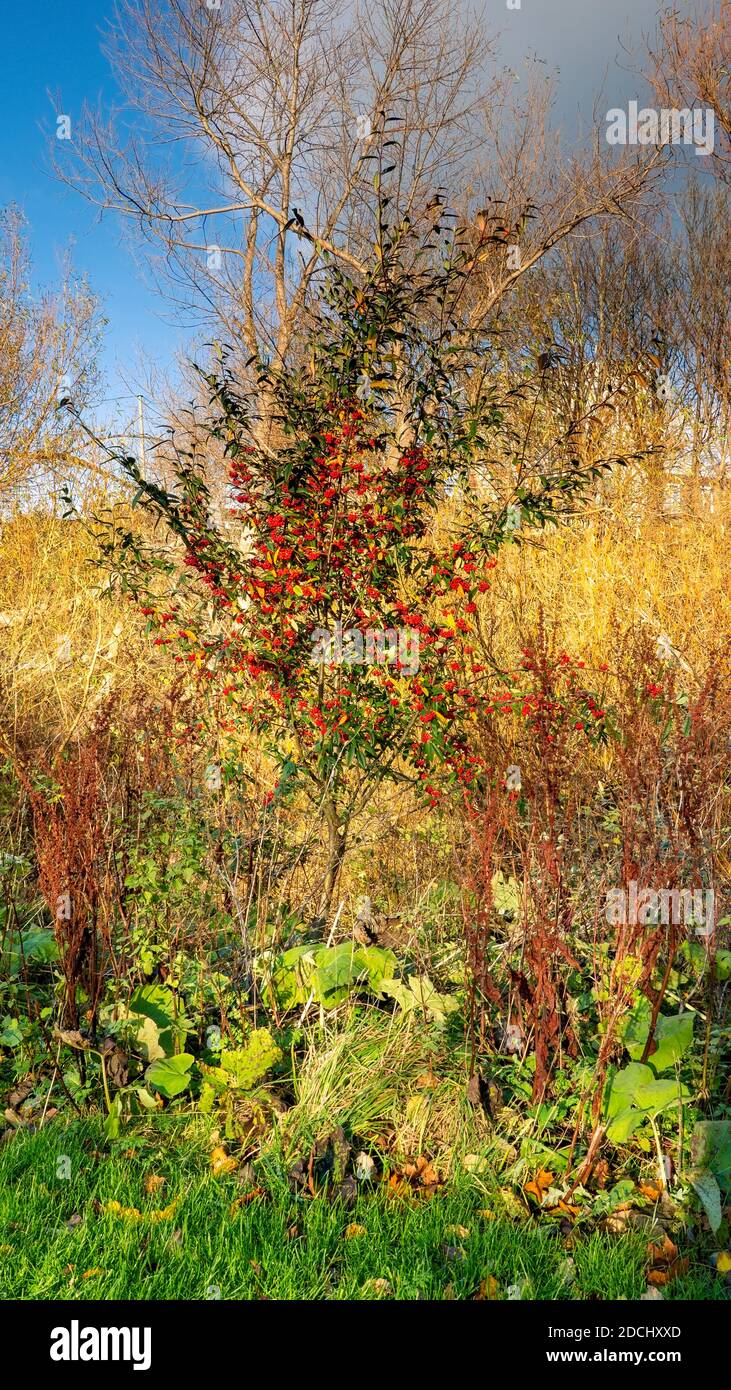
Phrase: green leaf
(711, 1150)
(636, 1085)
(292, 975)
(36, 944)
(12, 1033)
(379, 963)
(506, 896)
(673, 1036)
(113, 1122)
(337, 970)
(157, 1002)
(625, 1085)
(710, 1194)
(624, 1124)
(169, 1075)
(245, 1066)
(658, 1095)
(420, 993)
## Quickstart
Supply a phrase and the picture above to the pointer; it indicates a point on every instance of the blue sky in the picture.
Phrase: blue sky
(55, 48)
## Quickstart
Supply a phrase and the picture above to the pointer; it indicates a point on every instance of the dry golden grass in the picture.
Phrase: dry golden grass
(64, 647)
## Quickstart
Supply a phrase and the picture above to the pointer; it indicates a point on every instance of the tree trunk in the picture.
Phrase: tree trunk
(336, 847)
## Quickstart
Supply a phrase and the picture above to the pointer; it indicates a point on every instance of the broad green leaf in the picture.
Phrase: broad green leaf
(292, 976)
(169, 1075)
(337, 969)
(157, 1002)
(624, 1123)
(710, 1194)
(419, 993)
(636, 1085)
(711, 1150)
(673, 1036)
(113, 1122)
(379, 964)
(625, 1086)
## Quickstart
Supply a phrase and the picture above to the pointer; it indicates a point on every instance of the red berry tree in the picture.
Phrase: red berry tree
(335, 610)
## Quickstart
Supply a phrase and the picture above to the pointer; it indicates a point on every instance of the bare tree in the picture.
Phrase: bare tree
(279, 104)
(255, 130)
(47, 352)
(692, 67)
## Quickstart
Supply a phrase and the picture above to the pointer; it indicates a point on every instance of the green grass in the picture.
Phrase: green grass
(203, 1248)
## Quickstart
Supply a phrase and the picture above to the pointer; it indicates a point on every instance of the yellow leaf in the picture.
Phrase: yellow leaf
(723, 1262)
(221, 1162)
(379, 1288)
(113, 1208)
(354, 1230)
(165, 1213)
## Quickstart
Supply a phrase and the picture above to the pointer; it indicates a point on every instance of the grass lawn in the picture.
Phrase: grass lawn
(58, 1242)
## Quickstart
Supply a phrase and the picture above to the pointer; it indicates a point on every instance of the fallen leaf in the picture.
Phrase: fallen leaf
(488, 1289)
(650, 1191)
(221, 1162)
(662, 1254)
(379, 1288)
(601, 1173)
(563, 1208)
(153, 1183)
(365, 1168)
(354, 1230)
(660, 1277)
(71, 1038)
(723, 1262)
(460, 1232)
(398, 1187)
(113, 1208)
(650, 1295)
(245, 1199)
(475, 1163)
(542, 1181)
(414, 1170)
(92, 1273)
